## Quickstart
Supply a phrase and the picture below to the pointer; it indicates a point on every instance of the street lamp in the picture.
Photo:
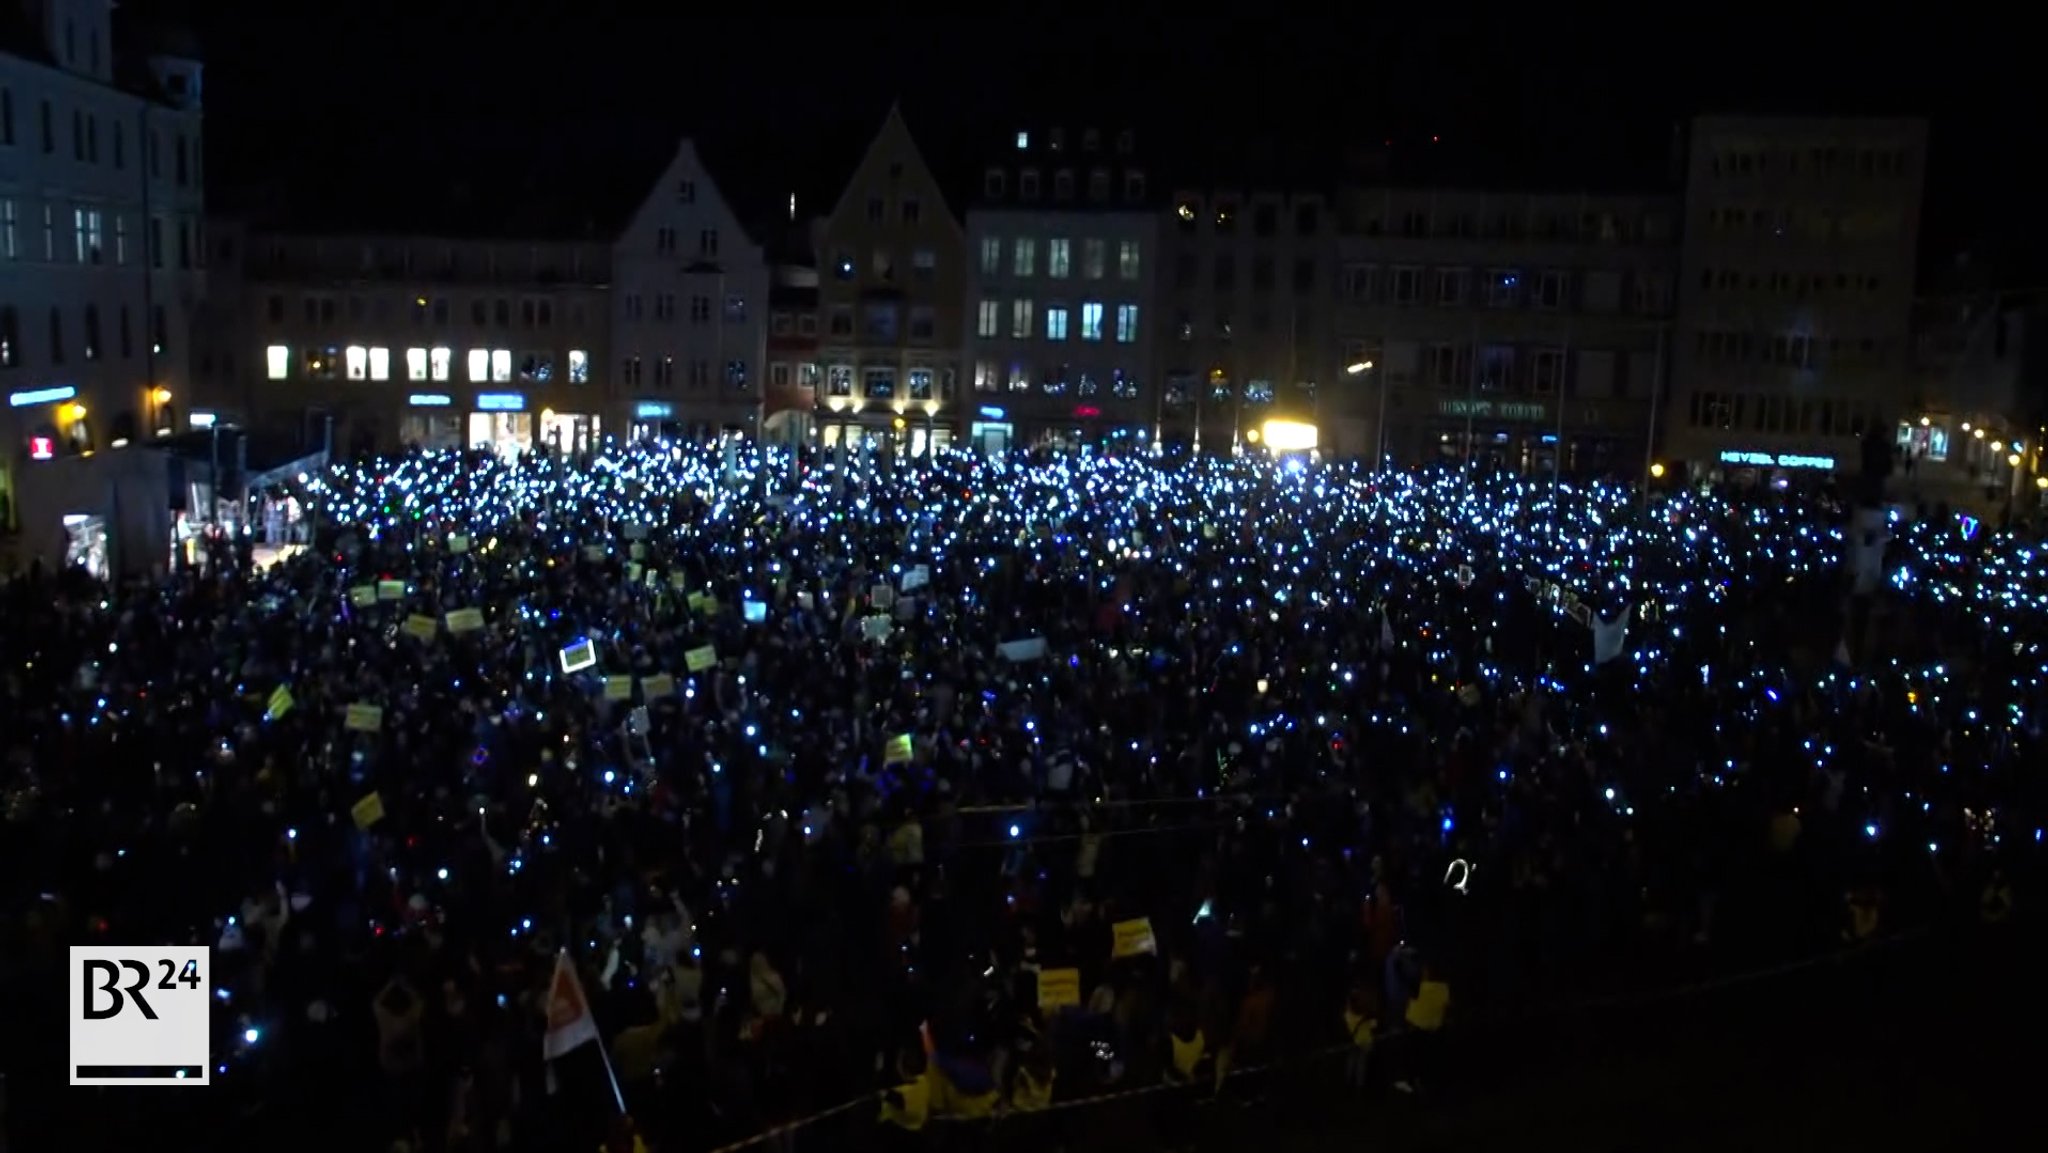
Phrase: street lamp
(1379, 428)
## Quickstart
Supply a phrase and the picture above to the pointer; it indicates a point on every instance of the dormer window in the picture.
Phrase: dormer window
(992, 184)
(1098, 185)
(1023, 141)
(1063, 185)
(1027, 184)
(1134, 187)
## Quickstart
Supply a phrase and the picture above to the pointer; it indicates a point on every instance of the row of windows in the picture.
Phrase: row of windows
(1061, 322)
(1649, 293)
(1819, 224)
(535, 312)
(1184, 388)
(327, 260)
(1824, 160)
(797, 323)
(1800, 285)
(665, 373)
(881, 322)
(924, 265)
(1059, 253)
(1053, 380)
(1222, 218)
(1766, 412)
(1794, 350)
(92, 235)
(374, 363)
(87, 335)
(1187, 272)
(1531, 222)
(85, 141)
(879, 382)
(665, 243)
(700, 308)
(1030, 185)
(1300, 320)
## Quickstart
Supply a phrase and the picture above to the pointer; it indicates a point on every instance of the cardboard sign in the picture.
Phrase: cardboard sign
(390, 590)
(458, 543)
(899, 750)
(618, 688)
(1018, 652)
(637, 551)
(698, 602)
(658, 685)
(697, 660)
(1059, 988)
(280, 702)
(421, 627)
(876, 628)
(881, 596)
(364, 718)
(368, 811)
(1131, 938)
(465, 620)
(633, 571)
(754, 612)
(363, 596)
(918, 577)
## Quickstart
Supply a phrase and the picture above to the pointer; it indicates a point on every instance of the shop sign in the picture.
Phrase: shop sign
(430, 400)
(500, 402)
(36, 396)
(1779, 460)
(653, 410)
(1466, 409)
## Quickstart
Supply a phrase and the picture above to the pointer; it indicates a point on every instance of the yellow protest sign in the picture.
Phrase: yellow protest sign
(390, 590)
(658, 685)
(465, 620)
(368, 811)
(618, 688)
(899, 750)
(421, 627)
(458, 543)
(594, 553)
(700, 659)
(1131, 938)
(280, 702)
(637, 551)
(363, 718)
(678, 580)
(363, 596)
(1059, 988)
(633, 570)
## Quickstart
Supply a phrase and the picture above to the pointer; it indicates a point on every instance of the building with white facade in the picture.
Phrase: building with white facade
(1795, 291)
(1061, 245)
(102, 252)
(1517, 330)
(689, 309)
(379, 342)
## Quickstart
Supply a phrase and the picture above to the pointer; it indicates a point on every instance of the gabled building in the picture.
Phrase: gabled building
(102, 256)
(890, 291)
(1062, 242)
(690, 308)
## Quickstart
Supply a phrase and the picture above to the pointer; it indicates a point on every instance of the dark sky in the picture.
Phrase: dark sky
(333, 92)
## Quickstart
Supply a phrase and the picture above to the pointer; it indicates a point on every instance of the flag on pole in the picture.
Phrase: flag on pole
(569, 1020)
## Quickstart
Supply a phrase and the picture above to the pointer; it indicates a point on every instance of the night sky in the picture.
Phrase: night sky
(316, 105)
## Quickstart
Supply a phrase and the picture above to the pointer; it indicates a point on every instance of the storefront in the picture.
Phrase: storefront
(430, 422)
(1777, 469)
(909, 435)
(654, 420)
(568, 431)
(501, 423)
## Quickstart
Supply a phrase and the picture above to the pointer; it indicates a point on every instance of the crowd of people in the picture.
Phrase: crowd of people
(961, 785)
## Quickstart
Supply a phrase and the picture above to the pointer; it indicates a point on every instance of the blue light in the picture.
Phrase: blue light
(1870, 831)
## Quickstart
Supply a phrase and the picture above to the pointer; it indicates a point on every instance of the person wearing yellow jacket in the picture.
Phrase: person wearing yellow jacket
(1361, 1026)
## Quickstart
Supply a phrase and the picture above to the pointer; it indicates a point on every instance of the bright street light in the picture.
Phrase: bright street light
(1355, 369)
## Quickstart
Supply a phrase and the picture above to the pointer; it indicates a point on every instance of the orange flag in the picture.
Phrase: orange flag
(569, 1021)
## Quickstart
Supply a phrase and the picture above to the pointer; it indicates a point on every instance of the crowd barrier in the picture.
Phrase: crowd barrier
(1311, 1083)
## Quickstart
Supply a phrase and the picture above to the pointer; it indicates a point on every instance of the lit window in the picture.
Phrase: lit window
(1091, 321)
(501, 366)
(1126, 324)
(278, 359)
(1023, 141)
(415, 364)
(479, 366)
(1055, 323)
(443, 361)
(380, 364)
(579, 366)
(358, 359)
